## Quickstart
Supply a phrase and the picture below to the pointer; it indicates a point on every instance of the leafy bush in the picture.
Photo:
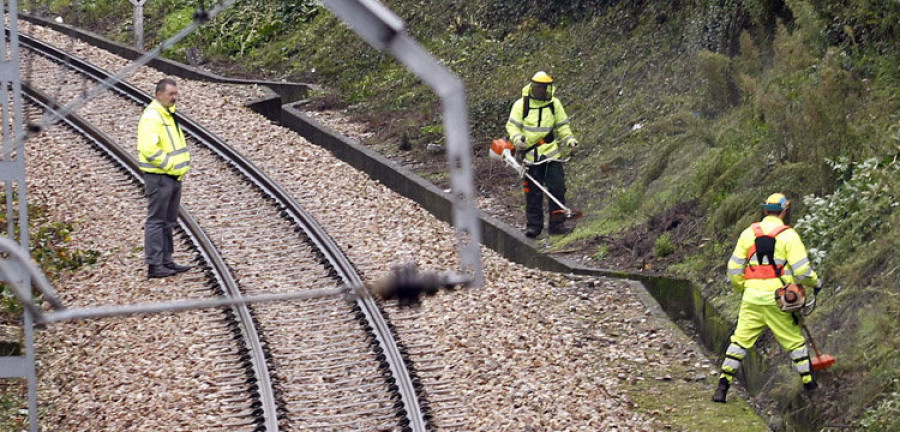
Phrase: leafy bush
(626, 201)
(50, 249)
(842, 222)
(884, 415)
(663, 246)
(601, 253)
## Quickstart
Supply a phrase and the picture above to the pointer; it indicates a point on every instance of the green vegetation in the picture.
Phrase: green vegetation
(663, 246)
(50, 249)
(715, 102)
(11, 418)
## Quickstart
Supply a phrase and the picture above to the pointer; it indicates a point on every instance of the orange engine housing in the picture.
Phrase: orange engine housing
(500, 144)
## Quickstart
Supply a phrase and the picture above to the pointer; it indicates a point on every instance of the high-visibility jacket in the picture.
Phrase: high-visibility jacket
(538, 120)
(161, 146)
(790, 255)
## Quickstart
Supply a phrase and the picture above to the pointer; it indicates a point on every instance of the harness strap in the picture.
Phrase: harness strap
(757, 229)
(758, 271)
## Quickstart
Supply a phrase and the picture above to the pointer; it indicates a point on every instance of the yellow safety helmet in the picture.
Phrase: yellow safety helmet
(542, 78)
(776, 202)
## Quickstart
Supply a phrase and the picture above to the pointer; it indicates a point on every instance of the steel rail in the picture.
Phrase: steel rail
(413, 410)
(264, 394)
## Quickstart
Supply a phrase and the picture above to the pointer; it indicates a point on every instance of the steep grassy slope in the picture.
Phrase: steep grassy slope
(690, 113)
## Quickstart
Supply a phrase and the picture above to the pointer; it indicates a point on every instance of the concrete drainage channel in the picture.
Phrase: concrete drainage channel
(680, 299)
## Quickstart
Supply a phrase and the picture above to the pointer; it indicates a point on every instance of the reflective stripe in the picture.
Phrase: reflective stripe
(166, 127)
(179, 151)
(536, 129)
(736, 350)
(147, 165)
(730, 364)
(799, 353)
(735, 272)
(165, 162)
(181, 165)
(552, 154)
(562, 123)
(738, 260)
(787, 271)
(802, 368)
(156, 155)
(779, 261)
(753, 260)
(513, 121)
(800, 263)
(805, 275)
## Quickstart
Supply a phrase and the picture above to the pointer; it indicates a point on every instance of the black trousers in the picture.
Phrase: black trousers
(164, 194)
(551, 176)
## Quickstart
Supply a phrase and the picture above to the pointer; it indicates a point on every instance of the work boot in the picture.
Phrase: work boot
(559, 230)
(532, 232)
(159, 271)
(721, 391)
(177, 268)
(810, 387)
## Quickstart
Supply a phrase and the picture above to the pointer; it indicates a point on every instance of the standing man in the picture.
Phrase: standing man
(163, 157)
(768, 256)
(536, 126)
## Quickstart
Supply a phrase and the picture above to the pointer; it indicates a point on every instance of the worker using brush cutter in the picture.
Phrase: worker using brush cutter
(537, 125)
(770, 266)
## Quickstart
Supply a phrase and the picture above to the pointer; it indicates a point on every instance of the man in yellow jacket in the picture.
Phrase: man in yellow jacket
(537, 125)
(164, 158)
(768, 255)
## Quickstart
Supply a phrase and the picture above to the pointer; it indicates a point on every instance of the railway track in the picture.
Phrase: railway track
(231, 331)
(272, 245)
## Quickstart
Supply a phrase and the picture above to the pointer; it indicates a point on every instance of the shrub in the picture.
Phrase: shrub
(882, 416)
(625, 202)
(663, 246)
(50, 249)
(721, 92)
(859, 208)
(601, 253)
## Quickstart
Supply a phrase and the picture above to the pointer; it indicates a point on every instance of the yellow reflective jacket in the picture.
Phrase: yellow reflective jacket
(545, 120)
(789, 252)
(161, 145)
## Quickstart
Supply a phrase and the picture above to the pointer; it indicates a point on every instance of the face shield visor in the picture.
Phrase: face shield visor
(540, 91)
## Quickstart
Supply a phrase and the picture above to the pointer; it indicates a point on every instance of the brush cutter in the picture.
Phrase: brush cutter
(502, 149)
(820, 361)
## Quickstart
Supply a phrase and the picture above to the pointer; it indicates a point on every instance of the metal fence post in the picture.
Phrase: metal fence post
(12, 174)
(138, 22)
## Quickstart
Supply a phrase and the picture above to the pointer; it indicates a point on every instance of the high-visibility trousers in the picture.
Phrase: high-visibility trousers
(752, 320)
